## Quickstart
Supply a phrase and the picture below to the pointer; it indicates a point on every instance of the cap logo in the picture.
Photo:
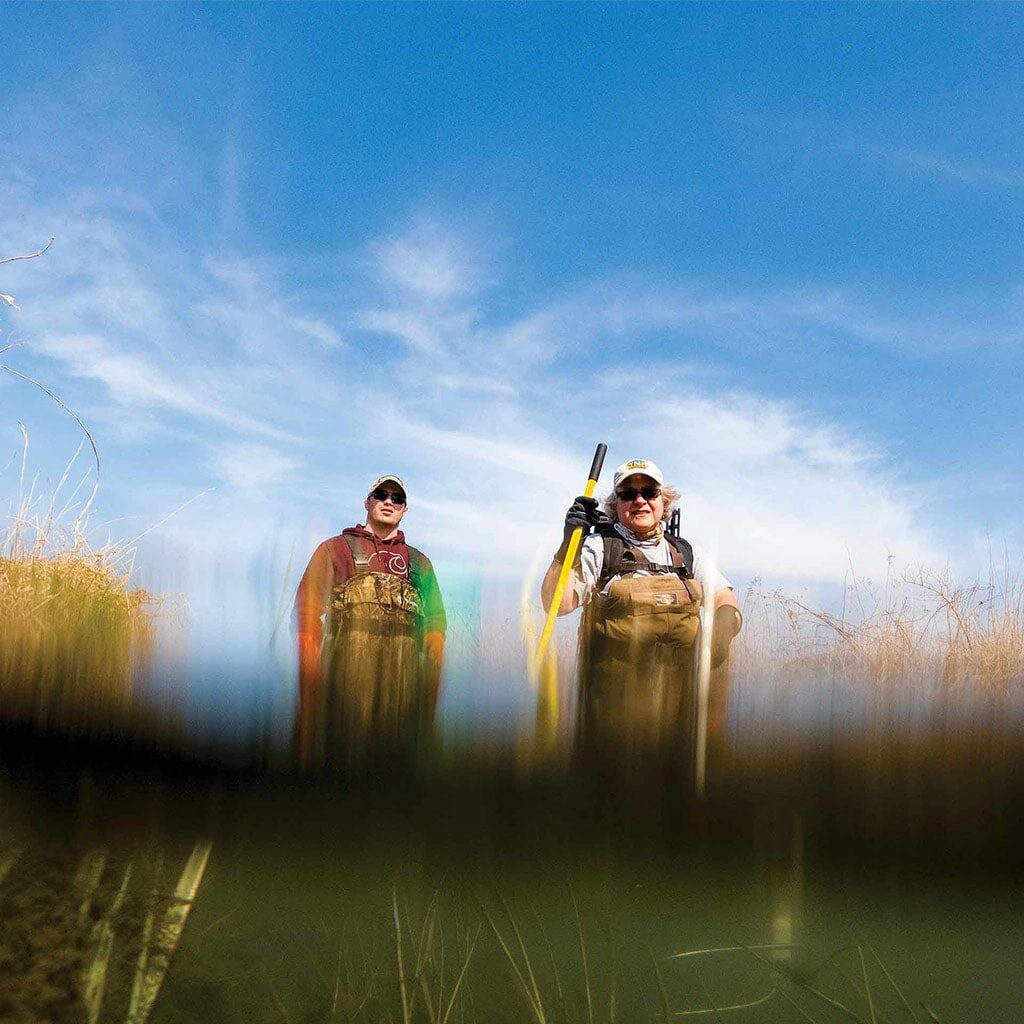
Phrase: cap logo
(637, 464)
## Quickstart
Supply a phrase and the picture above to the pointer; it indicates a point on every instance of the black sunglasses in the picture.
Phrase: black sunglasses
(382, 494)
(630, 493)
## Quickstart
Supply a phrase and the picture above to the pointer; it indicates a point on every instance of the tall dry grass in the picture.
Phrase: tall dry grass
(74, 633)
(922, 626)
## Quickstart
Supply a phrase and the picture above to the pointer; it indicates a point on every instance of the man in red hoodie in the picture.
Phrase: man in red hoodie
(371, 627)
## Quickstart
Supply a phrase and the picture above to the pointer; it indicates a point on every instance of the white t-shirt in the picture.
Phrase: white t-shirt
(658, 552)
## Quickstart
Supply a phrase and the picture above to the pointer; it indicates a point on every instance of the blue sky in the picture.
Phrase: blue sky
(775, 248)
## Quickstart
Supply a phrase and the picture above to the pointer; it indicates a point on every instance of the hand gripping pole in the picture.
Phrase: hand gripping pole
(570, 558)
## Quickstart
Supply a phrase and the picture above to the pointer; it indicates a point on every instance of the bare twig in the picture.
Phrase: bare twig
(170, 515)
(31, 255)
(73, 415)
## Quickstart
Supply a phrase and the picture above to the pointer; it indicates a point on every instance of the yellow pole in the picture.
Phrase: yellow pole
(570, 559)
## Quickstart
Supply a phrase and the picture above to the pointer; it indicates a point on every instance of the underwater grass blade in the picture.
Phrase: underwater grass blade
(891, 980)
(662, 991)
(867, 985)
(538, 1011)
(461, 977)
(139, 982)
(583, 957)
(726, 1009)
(423, 947)
(94, 980)
(154, 963)
(796, 1006)
(559, 991)
(402, 989)
(732, 949)
(809, 989)
(613, 979)
(280, 1005)
(538, 1001)
(425, 989)
(337, 977)
(87, 880)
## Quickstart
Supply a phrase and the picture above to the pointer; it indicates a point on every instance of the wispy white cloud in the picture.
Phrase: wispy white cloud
(963, 171)
(427, 260)
(256, 316)
(248, 466)
(492, 417)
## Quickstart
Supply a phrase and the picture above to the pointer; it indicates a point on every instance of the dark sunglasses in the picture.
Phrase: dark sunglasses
(381, 494)
(631, 493)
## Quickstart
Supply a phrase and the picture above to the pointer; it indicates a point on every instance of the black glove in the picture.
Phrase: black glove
(726, 626)
(583, 514)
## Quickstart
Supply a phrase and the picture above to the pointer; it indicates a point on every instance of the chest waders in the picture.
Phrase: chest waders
(636, 657)
(371, 698)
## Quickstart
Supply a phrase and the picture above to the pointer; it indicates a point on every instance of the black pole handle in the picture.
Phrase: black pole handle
(595, 466)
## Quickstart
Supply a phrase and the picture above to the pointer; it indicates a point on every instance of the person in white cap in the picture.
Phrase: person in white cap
(641, 590)
(371, 627)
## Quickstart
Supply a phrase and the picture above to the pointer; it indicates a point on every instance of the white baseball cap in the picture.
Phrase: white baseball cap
(384, 479)
(644, 466)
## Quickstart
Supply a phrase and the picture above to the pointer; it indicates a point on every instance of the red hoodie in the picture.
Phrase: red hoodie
(332, 563)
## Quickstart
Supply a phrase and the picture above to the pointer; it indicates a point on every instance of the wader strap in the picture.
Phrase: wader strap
(621, 559)
(360, 555)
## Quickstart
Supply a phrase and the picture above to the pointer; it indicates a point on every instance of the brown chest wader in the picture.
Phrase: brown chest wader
(636, 658)
(372, 699)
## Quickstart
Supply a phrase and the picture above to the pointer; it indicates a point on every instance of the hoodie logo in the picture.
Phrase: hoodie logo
(391, 561)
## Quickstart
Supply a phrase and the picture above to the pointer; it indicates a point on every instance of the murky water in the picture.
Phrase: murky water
(885, 880)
